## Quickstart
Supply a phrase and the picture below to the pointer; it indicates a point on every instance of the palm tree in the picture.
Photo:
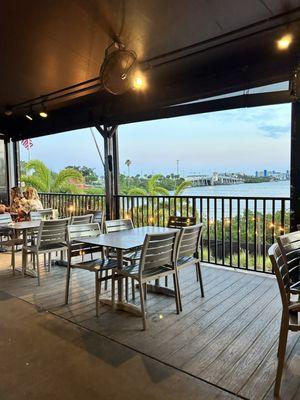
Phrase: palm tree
(153, 188)
(128, 163)
(45, 180)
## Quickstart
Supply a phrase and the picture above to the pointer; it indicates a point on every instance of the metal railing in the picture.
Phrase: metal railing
(69, 204)
(237, 231)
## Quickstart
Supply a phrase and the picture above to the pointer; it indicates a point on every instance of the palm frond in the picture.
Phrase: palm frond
(35, 181)
(181, 187)
(137, 192)
(64, 177)
(158, 190)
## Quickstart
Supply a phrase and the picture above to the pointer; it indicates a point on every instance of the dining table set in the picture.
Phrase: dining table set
(146, 256)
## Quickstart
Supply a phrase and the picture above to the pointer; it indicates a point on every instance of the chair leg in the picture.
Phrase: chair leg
(132, 289)
(126, 289)
(67, 284)
(197, 273)
(97, 287)
(33, 261)
(141, 286)
(281, 327)
(113, 287)
(13, 259)
(176, 288)
(24, 262)
(100, 281)
(49, 262)
(106, 280)
(38, 268)
(200, 279)
(45, 260)
(281, 356)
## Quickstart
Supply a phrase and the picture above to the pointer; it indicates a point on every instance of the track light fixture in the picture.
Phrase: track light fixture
(43, 113)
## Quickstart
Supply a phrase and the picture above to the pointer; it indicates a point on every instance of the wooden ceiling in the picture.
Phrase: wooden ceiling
(188, 50)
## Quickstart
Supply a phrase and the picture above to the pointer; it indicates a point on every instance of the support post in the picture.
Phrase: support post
(295, 152)
(111, 170)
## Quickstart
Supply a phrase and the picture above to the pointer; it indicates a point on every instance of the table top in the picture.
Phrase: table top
(125, 240)
(20, 226)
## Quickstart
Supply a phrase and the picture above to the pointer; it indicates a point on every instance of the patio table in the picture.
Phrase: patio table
(23, 227)
(124, 241)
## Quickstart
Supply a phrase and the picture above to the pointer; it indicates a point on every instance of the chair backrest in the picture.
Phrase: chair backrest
(81, 219)
(98, 217)
(40, 215)
(282, 274)
(117, 225)
(158, 250)
(52, 232)
(82, 231)
(5, 218)
(180, 222)
(189, 241)
(290, 247)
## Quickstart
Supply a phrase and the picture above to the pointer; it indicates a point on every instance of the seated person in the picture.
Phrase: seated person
(33, 199)
(18, 203)
(2, 208)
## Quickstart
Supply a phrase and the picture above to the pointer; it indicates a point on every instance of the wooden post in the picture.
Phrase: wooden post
(111, 170)
(295, 153)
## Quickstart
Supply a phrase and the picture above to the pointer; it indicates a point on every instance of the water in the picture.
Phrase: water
(265, 189)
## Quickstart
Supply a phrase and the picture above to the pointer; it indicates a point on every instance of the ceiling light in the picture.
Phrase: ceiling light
(284, 42)
(28, 116)
(139, 82)
(43, 114)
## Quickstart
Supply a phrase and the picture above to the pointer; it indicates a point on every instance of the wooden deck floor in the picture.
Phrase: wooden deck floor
(229, 338)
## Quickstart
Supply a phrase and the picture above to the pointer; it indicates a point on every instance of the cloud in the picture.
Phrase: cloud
(274, 131)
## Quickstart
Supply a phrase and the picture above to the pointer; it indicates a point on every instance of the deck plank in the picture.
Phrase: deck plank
(228, 338)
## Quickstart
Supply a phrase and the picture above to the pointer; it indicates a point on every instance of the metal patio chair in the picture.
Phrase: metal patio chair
(78, 253)
(40, 215)
(188, 251)
(52, 237)
(180, 222)
(131, 256)
(290, 309)
(290, 247)
(8, 238)
(157, 261)
(81, 219)
(98, 216)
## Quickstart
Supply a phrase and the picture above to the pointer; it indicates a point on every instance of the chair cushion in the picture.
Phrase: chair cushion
(11, 242)
(133, 255)
(133, 270)
(183, 261)
(46, 248)
(96, 265)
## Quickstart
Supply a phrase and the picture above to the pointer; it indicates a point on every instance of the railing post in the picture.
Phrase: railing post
(295, 153)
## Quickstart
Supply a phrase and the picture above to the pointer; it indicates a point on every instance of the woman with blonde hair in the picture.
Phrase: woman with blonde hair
(33, 199)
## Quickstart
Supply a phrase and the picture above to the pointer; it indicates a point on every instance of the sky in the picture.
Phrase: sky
(242, 140)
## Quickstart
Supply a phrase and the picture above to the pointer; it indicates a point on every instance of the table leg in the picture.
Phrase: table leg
(23, 269)
(121, 304)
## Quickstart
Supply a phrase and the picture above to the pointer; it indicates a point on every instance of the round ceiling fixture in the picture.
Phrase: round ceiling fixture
(117, 69)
